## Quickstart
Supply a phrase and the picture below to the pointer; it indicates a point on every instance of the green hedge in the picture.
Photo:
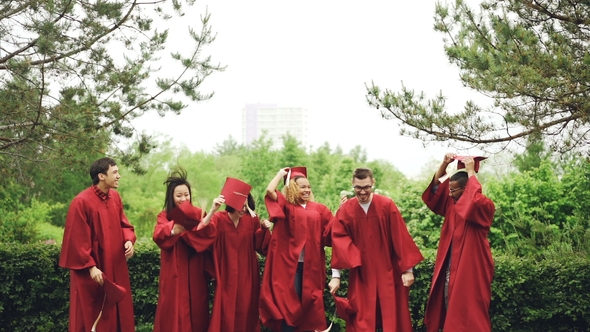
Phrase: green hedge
(528, 295)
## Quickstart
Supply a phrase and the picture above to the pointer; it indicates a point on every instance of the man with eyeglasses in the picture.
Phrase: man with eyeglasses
(460, 292)
(370, 237)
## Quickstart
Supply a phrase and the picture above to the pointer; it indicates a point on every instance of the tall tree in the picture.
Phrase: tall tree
(534, 155)
(228, 147)
(529, 56)
(293, 153)
(74, 74)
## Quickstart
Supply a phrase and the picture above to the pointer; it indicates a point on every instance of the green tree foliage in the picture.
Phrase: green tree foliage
(533, 156)
(228, 147)
(24, 219)
(422, 223)
(143, 195)
(529, 57)
(293, 154)
(575, 182)
(74, 74)
(540, 211)
(330, 172)
(259, 164)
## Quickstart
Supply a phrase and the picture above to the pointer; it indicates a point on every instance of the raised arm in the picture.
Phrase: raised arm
(216, 204)
(442, 169)
(272, 186)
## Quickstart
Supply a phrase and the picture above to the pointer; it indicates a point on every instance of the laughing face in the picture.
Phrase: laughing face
(363, 189)
(110, 180)
(304, 190)
(181, 194)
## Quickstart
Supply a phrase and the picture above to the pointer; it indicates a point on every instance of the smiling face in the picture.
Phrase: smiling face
(304, 190)
(110, 180)
(181, 194)
(363, 189)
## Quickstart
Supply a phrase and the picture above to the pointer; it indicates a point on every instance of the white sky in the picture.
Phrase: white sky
(317, 55)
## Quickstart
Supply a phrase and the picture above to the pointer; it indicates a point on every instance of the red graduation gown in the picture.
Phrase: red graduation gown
(295, 228)
(95, 235)
(183, 301)
(377, 247)
(237, 289)
(464, 232)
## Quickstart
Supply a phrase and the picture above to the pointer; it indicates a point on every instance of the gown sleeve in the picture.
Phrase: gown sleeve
(473, 206)
(437, 201)
(76, 252)
(345, 254)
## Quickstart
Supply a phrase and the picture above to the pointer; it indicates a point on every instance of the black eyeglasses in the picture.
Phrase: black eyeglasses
(452, 190)
(359, 188)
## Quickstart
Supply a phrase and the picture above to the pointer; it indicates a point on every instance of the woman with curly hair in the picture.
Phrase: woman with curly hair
(296, 258)
(183, 301)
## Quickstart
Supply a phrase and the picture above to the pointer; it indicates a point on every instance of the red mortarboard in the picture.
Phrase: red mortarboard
(295, 172)
(344, 309)
(235, 192)
(476, 160)
(114, 292)
(185, 214)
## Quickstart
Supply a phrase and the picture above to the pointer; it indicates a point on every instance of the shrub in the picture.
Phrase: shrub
(527, 294)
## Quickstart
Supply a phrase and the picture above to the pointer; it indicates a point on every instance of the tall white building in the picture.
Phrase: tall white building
(276, 121)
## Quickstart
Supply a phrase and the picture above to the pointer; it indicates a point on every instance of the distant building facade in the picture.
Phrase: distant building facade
(276, 121)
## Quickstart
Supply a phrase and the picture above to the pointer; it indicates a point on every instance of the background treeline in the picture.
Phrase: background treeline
(542, 204)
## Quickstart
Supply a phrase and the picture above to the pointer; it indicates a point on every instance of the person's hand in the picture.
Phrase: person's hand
(265, 223)
(217, 202)
(177, 229)
(449, 157)
(469, 165)
(407, 278)
(343, 200)
(283, 171)
(333, 285)
(96, 275)
(129, 249)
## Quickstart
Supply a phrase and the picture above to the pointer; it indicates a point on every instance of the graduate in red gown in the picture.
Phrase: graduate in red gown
(183, 301)
(460, 292)
(237, 275)
(370, 238)
(98, 240)
(296, 258)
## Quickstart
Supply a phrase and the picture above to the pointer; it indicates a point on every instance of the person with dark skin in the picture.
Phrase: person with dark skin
(294, 277)
(460, 291)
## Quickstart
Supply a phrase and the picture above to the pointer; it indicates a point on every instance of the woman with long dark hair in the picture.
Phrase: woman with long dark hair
(183, 301)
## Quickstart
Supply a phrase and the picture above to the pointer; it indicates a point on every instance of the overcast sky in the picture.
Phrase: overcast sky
(317, 55)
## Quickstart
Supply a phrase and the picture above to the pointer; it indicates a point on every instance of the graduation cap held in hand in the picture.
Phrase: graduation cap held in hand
(235, 192)
(185, 214)
(476, 160)
(344, 309)
(295, 172)
(114, 293)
